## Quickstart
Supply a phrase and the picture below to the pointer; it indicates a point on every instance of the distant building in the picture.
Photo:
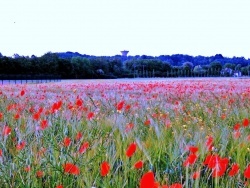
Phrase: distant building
(227, 72)
(124, 53)
(237, 74)
(231, 72)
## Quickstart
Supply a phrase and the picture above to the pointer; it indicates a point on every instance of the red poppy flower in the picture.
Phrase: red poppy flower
(104, 169)
(40, 110)
(83, 147)
(6, 130)
(70, 107)
(209, 143)
(78, 136)
(175, 185)
(147, 180)
(207, 159)
(138, 164)
(214, 161)
(10, 107)
(16, 116)
(21, 145)
(248, 137)
(236, 134)
(27, 168)
(31, 110)
(39, 174)
(22, 92)
(164, 186)
(66, 141)
(119, 106)
(1, 153)
(155, 115)
(236, 126)
(79, 102)
(223, 116)
(247, 172)
(36, 116)
(127, 107)
(71, 169)
(217, 164)
(193, 149)
(196, 175)
(168, 123)
(234, 170)
(1, 115)
(156, 185)
(131, 150)
(44, 124)
(245, 122)
(90, 115)
(56, 106)
(147, 122)
(129, 127)
(59, 186)
(220, 167)
(190, 160)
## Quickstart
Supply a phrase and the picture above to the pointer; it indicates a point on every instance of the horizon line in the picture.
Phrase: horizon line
(127, 55)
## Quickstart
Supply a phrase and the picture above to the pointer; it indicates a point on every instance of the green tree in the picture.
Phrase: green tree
(199, 70)
(99, 63)
(245, 70)
(81, 67)
(36, 65)
(115, 67)
(238, 67)
(215, 68)
(49, 63)
(230, 66)
(187, 68)
(65, 68)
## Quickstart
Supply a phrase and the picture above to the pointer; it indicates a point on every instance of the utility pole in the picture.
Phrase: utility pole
(134, 70)
(248, 68)
(143, 71)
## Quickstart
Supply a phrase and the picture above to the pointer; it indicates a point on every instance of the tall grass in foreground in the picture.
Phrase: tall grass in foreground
(142, 134)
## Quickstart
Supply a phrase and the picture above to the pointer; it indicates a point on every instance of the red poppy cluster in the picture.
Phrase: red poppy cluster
(217, 164)
(29, 111)
(148, 181)
(71, 168)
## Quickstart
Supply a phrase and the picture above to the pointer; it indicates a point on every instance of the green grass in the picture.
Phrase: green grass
(182, 113)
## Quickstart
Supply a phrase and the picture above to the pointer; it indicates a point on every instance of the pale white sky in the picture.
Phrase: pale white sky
(104, 27)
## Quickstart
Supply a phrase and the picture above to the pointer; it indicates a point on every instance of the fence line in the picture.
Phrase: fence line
(3, 81)
(26, 79)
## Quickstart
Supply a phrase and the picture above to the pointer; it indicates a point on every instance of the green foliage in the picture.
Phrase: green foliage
(75, 65)
(238, 67)
(147, 67)
(246, 70)
(81, 67)
(230, 66)
(199, 69)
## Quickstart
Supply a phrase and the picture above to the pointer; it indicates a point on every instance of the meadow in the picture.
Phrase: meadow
(161, 133)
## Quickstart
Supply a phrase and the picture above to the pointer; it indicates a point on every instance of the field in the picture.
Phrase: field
(161, 133)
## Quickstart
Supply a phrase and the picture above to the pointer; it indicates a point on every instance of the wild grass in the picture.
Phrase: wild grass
(163, 119)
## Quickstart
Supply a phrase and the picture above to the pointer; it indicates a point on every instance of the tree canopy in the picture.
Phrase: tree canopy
(77, 66)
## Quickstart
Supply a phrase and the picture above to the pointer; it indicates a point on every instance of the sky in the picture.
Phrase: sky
(143, 27)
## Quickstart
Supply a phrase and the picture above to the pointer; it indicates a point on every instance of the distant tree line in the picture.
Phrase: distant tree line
(71, 65)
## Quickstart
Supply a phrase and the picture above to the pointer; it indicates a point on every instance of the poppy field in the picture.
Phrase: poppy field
(117, 133)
